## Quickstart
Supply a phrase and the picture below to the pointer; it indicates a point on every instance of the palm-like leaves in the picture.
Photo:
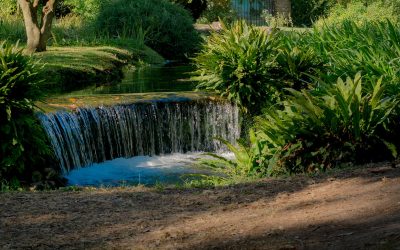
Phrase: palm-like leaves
(343, 113)
(236, 64)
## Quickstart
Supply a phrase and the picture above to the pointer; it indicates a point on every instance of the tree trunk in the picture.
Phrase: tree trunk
(37, 35)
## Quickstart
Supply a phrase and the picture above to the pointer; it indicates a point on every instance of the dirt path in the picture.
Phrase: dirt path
(360, 210)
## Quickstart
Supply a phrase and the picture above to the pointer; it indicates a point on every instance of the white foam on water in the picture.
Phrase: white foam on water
(145, 170)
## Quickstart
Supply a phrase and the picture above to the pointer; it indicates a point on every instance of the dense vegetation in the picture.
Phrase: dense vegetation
(25, 156)
(320, 99)
(98, 53)
(164, 26)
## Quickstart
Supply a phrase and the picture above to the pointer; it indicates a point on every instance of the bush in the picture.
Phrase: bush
(297, 61)
(237, 64)
(317, 130)
(359, 13)
(24, 150)
(321, 120)
(343, 122)
(168, 27)
(251, 67)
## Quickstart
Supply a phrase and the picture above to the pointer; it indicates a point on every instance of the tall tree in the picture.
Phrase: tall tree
(38, 31)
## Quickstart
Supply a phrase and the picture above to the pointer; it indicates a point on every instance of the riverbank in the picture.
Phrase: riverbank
(348, 209)
(71, 68)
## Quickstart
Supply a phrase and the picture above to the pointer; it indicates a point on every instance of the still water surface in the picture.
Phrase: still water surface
(163, 78)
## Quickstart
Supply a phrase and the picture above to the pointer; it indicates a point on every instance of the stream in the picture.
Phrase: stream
(144, 141)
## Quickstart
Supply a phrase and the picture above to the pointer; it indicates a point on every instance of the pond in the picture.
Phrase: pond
(113, 135)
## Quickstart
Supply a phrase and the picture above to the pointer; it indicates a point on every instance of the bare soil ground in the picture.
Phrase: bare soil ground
(357, 209)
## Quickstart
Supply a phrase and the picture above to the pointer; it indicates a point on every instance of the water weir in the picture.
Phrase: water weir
(91, 135)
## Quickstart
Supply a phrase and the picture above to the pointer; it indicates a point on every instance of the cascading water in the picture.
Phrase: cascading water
(92, 135)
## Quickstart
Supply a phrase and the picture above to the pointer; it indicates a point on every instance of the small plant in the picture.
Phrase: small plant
(247, 161)
(159, 186)
(277, 20)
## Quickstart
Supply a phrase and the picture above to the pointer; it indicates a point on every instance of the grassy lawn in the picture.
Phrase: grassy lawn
(88, 59)
(68, 68)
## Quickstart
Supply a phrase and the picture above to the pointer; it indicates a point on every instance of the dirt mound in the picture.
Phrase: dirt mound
(358, 209)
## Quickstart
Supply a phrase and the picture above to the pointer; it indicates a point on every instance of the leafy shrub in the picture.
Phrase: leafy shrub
(337, 123)
(305, 12)
(320, 129)
(297, 61)
(317, 124)
(251, 67)
(359, 13)
(244, 164)
(237, 64)
(168, 27)
(24, 150)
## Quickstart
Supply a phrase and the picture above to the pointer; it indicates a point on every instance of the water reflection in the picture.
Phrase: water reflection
(167, 78)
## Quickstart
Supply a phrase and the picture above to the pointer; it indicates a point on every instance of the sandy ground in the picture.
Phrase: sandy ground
(356, 210)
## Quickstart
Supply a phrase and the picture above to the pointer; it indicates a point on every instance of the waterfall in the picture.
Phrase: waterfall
(92, 135)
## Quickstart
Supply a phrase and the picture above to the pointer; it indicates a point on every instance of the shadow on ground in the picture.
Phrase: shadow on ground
(346, 210)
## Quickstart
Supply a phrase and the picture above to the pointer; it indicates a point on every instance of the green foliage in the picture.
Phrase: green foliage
(360, 13)
(168, 27)
(338, 123)
(12, 28)
(218, 10)
(277, 20)
(8, 7)
(305, 12)
(245, 163)
(317, 130)
(24, 150)
(372, 48)
(237, 63)
(88, 8)
(297, 61)
(314, 124)
(251, 67)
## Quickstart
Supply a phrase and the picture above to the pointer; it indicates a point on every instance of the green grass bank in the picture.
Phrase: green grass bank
(69, 68)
